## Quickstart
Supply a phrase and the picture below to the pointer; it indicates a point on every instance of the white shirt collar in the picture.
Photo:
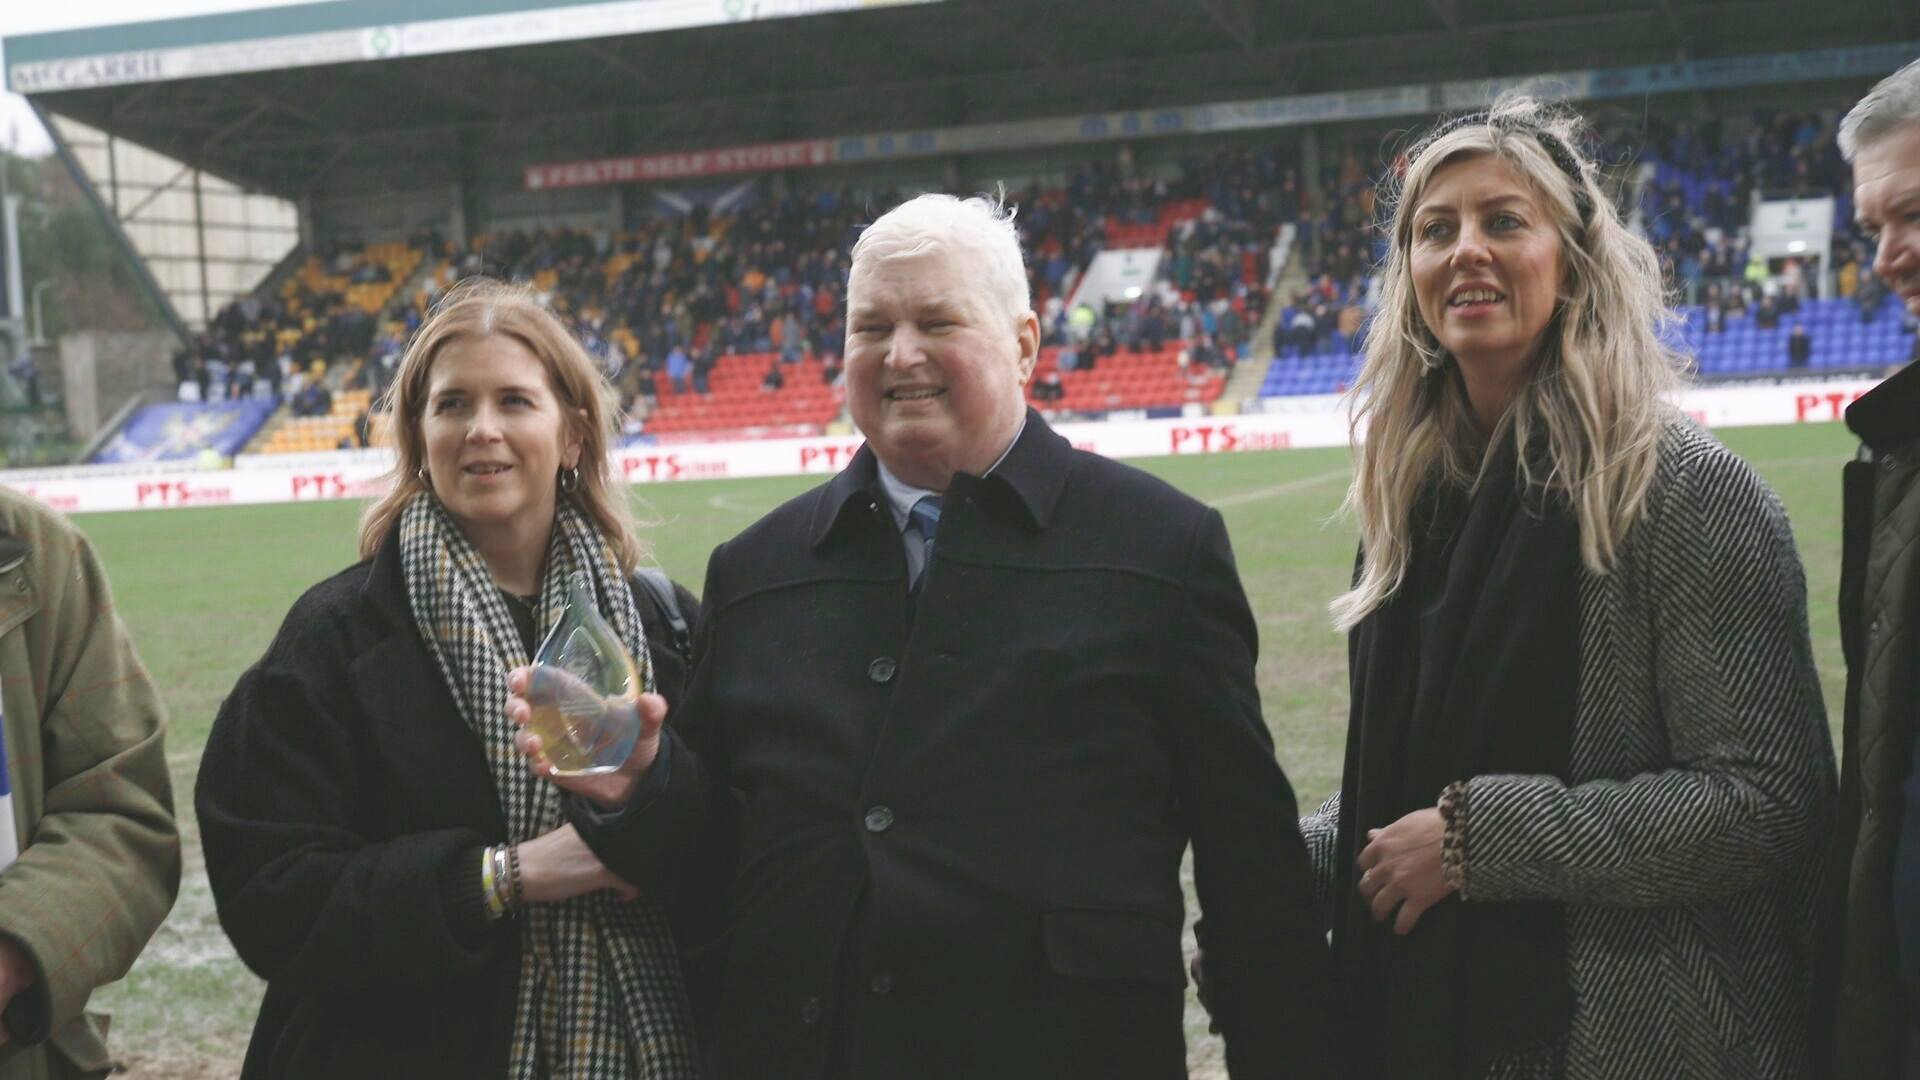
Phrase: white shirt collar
(901, 495)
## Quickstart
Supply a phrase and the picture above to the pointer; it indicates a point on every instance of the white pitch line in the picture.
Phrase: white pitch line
(1259, 494)
(1799, 463)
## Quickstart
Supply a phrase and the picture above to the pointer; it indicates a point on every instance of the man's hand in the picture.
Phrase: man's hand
(17, 973)
(558, 865)
(607, 791)
(1400, 869)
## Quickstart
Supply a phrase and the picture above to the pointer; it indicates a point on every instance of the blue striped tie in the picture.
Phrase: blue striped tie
(925, 519)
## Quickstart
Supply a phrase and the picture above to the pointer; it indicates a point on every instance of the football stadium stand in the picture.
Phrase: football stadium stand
(709, 278)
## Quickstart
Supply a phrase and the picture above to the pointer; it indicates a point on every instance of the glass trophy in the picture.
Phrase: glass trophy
(583, 690)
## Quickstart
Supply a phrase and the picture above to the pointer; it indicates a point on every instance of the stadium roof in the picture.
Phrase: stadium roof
(296, 100)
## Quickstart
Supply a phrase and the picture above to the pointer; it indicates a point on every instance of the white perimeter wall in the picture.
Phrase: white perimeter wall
(1288, 423)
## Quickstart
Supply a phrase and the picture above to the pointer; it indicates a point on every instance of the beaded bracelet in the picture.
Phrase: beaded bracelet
(513, 876)
(1454, 840)
(1453, 843)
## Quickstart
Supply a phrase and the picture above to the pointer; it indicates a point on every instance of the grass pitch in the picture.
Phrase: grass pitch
(203, 591)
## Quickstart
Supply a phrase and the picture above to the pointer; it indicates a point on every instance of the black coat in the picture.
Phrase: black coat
(951, 844)
(343, 804)
(1861, 977)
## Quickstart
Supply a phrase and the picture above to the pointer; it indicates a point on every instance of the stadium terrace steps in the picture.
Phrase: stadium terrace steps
(305, 434)
(1128, 380)
(1839, 337)
(408, 271)
(397, 259)
(1248, 377)
(1250, 374)
(1841, 340)
(804, 404)
(1153, 234)
(736, 402)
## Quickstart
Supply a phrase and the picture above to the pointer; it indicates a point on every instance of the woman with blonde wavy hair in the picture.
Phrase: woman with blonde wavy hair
(419, 901)
(1587, 762)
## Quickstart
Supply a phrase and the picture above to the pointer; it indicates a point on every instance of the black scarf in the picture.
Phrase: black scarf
(1470, 668)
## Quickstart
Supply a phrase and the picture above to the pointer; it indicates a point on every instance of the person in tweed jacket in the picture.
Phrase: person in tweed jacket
(1588, 769)
(419, 903)
(89, 851)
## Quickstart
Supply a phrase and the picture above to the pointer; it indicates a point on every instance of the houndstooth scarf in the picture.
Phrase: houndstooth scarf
(600, 986)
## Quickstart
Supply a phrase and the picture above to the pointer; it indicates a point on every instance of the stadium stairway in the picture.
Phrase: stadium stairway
(414, 286)
(1250, 374)
(282, 272)
(1247, 378)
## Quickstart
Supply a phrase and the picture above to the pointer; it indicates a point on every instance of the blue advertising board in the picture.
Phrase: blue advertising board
(179, 431)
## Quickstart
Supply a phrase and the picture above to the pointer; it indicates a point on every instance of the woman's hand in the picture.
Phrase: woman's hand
(560, 866)
(608, 791)
(1400, 868)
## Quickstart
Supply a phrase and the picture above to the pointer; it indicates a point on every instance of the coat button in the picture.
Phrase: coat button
(881, 670)
(20, 583)
(879, 819)
(1875, 626)
(811, 1011)
(881, 984)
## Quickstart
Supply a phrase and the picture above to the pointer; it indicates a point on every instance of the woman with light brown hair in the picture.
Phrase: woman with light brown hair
(1587, 763)
(418, 901)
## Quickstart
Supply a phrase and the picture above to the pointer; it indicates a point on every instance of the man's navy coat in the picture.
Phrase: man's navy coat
(948, 828)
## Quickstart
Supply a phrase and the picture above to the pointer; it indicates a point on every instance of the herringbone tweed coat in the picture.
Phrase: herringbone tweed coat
(1686, 846)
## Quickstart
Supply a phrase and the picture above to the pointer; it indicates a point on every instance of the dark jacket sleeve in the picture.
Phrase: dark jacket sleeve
(1266, 955)
(658, 841)
(307, 883)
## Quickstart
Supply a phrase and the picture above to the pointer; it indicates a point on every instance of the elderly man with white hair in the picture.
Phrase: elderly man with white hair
(955, 717)
(1875, 966)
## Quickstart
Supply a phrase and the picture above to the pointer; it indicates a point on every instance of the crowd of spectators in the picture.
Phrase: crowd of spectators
(662, 303)
(1213, 284)
(265, 349)
(1338, 250)
(677, 293)
(1696, 205)
(1695, 208)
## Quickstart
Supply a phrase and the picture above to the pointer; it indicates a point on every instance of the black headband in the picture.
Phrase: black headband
(1555, 147)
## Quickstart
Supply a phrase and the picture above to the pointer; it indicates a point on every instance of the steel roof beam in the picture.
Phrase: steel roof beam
(1235, 17)
(105, 212)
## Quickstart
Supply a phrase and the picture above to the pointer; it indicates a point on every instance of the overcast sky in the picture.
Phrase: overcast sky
(19, 129)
